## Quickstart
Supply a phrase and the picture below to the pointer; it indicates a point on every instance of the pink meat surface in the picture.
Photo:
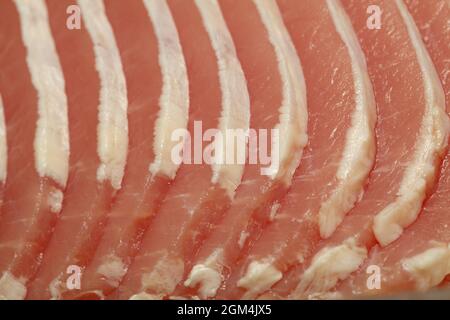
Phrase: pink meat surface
(193, 201)
(391, 58)
(432, 229)
(294, 232)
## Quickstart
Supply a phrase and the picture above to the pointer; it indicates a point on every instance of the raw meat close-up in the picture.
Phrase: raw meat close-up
(224, 149)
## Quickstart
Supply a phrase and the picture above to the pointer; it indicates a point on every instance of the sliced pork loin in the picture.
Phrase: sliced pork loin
(420, 258)
(35, 108)
(97, 96)
(223, 149)
(278, 102)
(339, 154)
(201, 190)
(406, 164)
(3, 152)
(152, 57)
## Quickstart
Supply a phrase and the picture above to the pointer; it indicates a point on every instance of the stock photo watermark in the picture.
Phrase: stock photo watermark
(374, 19)
(73, 21)
(73, 281)
(374, 277)
(232, 147)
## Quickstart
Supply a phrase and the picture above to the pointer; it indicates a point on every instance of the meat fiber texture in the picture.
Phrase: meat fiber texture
(224, 149)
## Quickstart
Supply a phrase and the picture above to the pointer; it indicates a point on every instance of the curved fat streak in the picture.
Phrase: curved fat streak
(260, 276)
(207, 276)
(235, 113)
(112, 131)
(357, 159)
(293, 119)
(430, 267)
(328, 266)
(174, 100)
(51, 142)
(432, 141)
(359, 150)
(164, 277)
(146, 296)
(292, 127)
(3, 144)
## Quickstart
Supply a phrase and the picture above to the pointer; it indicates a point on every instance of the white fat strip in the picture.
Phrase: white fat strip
(207, 276)
(174, 100)
(112, 131)
(293, 113)
(51, 143)
(330, 265)
(430, 267)
(235, 113)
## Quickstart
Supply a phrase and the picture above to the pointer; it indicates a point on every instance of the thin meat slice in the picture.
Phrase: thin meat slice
(431, 143)
(35, 106)
(88, 195)
(406, 165)
(339, 154)
(278, 98)
(201, 190)
(3, 152)
(152, 58)
(420, 259)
